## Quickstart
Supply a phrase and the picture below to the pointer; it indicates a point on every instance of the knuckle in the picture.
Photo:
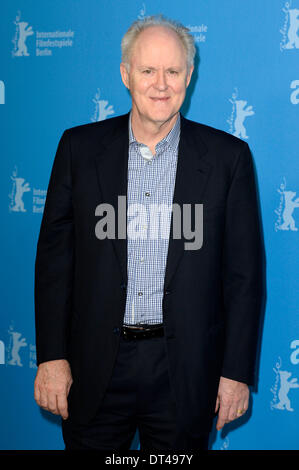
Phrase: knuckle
(60, 388)
(226, 402)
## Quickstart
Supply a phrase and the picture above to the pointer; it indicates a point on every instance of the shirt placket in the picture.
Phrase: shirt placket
(145, 255)
(141, 258)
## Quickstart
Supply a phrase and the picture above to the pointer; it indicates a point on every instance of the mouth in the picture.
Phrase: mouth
(163, 99)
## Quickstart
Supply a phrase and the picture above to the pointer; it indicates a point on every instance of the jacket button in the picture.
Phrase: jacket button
(167, 292)
(116, 330)
(123, 285)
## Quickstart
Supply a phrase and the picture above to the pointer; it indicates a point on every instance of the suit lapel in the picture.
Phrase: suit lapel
(191, 178)
(112, 171)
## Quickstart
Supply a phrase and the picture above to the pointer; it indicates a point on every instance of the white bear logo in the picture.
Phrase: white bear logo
(17, 344)
(102, 110)
(293, 38)
(285, 386)
(242, 112)
(23, 33)
(290, 205)
(17, 194)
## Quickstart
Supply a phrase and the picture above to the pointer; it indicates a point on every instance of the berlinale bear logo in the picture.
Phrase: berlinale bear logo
(21, 35)
(102, 109)
(290, 29)
(285, 210)
(293, 38)
(19, 187)
(240, 111)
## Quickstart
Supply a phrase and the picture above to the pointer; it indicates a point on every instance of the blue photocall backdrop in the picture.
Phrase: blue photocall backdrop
(60, 68)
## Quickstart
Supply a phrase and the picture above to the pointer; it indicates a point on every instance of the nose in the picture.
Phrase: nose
(161, 82)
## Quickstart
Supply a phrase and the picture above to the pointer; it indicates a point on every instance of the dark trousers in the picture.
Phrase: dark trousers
(138, 397)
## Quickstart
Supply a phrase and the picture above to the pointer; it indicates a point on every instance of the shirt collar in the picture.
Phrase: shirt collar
(171, 139)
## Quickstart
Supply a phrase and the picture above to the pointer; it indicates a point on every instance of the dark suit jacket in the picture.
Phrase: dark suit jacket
(212, 296)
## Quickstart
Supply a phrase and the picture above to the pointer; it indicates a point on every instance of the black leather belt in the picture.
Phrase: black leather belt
(142, 332)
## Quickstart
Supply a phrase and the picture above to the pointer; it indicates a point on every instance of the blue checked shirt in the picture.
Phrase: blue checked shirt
(151, 180)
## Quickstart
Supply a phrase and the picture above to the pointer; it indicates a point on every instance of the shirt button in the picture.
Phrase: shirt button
(140, 293)
(147, 194)
(141, 259)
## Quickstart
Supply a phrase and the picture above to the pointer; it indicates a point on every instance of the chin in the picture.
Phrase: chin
(162, 117)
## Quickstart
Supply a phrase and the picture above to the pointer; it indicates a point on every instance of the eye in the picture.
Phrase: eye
(147, 71)
(173, 72)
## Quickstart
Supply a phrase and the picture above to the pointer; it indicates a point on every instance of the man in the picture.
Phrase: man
(140, 333)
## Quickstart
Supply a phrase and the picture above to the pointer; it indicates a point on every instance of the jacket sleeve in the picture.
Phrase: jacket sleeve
(242, 278)
(55, 261)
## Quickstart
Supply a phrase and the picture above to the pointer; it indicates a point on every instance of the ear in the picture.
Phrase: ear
(124, 75)
(189, 76)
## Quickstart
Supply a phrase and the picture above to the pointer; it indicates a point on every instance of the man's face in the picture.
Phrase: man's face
(158, 76)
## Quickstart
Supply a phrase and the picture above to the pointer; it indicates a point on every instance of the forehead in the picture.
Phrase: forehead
(158, 45)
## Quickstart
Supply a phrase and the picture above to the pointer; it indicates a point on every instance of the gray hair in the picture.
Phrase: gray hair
(157, 20)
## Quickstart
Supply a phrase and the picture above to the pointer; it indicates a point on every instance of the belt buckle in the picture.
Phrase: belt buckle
(128, 332)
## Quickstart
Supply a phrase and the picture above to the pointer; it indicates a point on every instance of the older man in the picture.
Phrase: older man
(138, 332)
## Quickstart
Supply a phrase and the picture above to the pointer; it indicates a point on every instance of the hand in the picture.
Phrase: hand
(233, 399)
(52, 385)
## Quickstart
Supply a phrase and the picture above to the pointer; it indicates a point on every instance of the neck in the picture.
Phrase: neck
(150, 132)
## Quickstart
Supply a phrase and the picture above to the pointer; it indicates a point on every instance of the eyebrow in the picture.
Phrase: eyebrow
(154, 68)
